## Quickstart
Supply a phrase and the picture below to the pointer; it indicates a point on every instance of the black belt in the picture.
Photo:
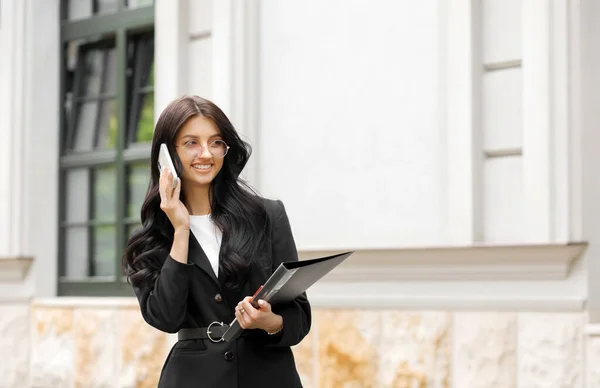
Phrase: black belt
(214, 332)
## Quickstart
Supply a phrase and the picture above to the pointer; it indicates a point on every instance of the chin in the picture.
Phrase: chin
(202, 182)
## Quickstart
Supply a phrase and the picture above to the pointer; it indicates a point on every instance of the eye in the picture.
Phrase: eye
(191, 143)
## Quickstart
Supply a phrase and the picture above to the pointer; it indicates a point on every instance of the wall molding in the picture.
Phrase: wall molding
(456, 263)
(14, 268)
(453, 303)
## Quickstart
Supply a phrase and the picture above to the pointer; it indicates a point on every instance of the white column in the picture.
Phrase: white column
(42, 102)
(561, 183)
(461, 110)
(589, 94)
(170, 52)
(6, 70)
(536, 120)
(13, 194)
(235, 70)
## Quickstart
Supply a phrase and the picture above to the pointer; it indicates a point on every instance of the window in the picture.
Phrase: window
(107, 120)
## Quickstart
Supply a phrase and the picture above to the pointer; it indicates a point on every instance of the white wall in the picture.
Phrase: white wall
(361, 104)
(349, 121)
(29, 79)
(200, 16)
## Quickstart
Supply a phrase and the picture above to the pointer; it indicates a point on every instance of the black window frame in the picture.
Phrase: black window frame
(122, 26)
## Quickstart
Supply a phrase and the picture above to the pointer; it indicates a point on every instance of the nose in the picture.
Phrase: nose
(204, 152)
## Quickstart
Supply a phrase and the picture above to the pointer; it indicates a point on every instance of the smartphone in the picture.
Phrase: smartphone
(164, 160)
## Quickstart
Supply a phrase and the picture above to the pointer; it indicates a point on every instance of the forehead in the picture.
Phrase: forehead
(199, 127)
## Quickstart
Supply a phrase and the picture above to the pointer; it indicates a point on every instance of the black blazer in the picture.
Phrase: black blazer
(189, 295)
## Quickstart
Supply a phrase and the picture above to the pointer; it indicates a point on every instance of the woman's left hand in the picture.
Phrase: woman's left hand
(261, 318)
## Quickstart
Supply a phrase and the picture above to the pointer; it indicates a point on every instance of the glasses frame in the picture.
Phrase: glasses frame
(201, 150)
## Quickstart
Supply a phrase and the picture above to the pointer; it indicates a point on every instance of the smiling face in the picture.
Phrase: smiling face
(193, 142)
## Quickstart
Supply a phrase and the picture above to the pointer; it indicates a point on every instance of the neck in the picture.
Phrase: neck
(197, 200)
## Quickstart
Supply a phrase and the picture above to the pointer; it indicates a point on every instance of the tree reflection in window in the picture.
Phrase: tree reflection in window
(141, 88)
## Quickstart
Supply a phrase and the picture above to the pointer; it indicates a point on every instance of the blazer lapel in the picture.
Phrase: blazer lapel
(199, 258)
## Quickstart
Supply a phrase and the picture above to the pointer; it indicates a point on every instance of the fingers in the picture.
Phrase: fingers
(176, 188)
(264, 306)
(240, 319)
(248, 309)
(249, 317)
(243, 317)
(169, 187)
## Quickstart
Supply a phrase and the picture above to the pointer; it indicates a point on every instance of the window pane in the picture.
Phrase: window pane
(77, 195)
(107, 6)
(76, 251)
(105, 192)
(99, 69)
(148, 77)
(109, 86)
(82, 9)
(145, 126)
(79, 9)
(137, 186)
(67, 112)
(139, 3)
(105, 251)
(92, 72)
(107, 127)
(86, 123)
(140, 61)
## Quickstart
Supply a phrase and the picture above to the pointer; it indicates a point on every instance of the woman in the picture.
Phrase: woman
(207, 243)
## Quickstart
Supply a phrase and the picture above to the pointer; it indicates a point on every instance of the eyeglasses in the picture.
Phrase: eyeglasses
(217, 148)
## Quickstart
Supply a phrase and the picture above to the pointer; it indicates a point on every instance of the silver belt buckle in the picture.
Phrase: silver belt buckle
(208, 333)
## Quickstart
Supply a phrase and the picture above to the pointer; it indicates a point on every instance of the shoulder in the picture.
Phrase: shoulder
(273, 207)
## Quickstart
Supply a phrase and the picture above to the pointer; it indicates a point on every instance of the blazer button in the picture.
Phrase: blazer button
(218, 298)
(229, 356)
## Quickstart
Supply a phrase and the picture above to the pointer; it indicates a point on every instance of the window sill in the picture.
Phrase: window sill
(456, 263)
(14, 268)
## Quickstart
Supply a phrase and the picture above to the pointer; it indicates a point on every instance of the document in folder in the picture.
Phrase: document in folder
(289, 280)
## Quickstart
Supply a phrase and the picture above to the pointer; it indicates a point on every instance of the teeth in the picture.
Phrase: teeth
(202, 166)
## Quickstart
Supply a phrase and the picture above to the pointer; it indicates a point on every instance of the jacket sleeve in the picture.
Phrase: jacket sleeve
(164, 303)
(297, 313)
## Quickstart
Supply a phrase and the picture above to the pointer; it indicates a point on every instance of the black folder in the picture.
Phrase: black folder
(289, 280)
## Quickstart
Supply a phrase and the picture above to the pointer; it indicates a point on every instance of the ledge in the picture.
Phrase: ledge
(592, 330)
(14, 268)
(87, 302)
(455, 263)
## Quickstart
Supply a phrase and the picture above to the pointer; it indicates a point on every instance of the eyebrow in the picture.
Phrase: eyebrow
(188, 136)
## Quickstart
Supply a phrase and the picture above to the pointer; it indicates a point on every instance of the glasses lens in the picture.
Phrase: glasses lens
(218, 148)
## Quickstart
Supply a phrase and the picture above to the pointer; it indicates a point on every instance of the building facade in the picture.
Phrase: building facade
(451, 143)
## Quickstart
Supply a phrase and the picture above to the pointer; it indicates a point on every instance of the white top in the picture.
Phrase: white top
(209, 237)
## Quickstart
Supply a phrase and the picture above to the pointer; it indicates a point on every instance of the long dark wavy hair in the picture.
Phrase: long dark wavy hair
(235, 207)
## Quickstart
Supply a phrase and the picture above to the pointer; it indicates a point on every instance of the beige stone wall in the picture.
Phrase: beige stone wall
(70, 346)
